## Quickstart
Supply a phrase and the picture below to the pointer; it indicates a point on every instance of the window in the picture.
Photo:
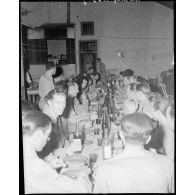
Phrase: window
(37, 51)
(70, 51)
(87, 28)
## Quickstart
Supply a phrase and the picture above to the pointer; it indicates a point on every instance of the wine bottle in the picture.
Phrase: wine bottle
(106, 145)
(104, 118)
(77, 137)
(98, 112)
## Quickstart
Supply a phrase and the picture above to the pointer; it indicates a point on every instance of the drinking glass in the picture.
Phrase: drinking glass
(83, 136)
(96, 131)
(92, 159)
(99, 141)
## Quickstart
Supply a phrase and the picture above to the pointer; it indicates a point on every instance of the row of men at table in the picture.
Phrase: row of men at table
(147, 131)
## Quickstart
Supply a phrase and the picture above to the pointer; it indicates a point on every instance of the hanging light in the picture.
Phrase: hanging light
(84, 3)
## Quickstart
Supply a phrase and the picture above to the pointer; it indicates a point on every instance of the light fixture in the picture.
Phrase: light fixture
(120, 53)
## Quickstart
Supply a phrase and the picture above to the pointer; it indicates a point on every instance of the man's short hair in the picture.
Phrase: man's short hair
(51, 94)
(28, 106)
(143, 87)
(50, 65)
(127, 73)
(59, 72)
(35, 120)
(162, 105)
(136, 127)
(61, 86)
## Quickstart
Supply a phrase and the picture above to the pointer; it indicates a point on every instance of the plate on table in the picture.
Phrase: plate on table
(76, 159)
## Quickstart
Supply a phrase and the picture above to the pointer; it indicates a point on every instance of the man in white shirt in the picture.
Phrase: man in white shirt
(135, 170)
(46, 83)
(101, 68)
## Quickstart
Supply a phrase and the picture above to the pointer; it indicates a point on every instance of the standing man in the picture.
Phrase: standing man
(101, 68)
(46, 83)
(88, 61)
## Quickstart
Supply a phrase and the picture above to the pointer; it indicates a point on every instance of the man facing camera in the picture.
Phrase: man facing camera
(136, 170)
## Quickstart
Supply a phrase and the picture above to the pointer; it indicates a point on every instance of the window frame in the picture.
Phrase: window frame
(90, 33)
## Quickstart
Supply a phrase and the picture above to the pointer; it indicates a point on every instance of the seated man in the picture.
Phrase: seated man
(55, 102)
(102, 70)
(136, 98)
(39, 176)
(136, 170)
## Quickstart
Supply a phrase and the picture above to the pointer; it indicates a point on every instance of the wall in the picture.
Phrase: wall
(21, 74)
(22, 91)
(37, 70)
(142, 31)
(21, 67)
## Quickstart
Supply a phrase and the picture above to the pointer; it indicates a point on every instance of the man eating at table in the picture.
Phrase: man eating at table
(135, 170)
(40, 176)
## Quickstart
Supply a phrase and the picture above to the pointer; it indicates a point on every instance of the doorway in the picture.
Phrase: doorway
(87, 54)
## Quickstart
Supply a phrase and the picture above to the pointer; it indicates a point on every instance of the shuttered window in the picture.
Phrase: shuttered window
(37, 51)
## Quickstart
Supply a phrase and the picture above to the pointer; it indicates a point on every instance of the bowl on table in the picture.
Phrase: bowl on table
(74, 172)
(88, 142)
(76, 161)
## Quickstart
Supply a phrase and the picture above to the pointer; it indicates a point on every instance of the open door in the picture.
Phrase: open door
(87, 54)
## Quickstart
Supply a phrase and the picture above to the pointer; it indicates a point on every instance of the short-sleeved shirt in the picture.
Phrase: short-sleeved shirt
(46, 84)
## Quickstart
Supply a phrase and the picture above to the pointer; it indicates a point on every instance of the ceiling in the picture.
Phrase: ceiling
(169, 4)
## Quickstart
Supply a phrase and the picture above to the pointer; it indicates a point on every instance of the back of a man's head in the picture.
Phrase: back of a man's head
(136, 127)
(53, 93)
(61, 86)
(28, 106)
(49, 65)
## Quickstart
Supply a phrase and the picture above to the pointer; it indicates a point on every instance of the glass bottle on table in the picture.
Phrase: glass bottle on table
(104, 120)
(77, 137)
(106, 145)
(99, 110)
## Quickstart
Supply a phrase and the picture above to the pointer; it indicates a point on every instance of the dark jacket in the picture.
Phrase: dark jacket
(58, 137)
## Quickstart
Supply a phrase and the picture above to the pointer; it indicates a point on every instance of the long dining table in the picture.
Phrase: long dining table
(91, 148)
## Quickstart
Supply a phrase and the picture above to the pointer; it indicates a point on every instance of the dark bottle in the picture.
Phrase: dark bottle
(114, 116)
(104, 120)
(99, 113)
